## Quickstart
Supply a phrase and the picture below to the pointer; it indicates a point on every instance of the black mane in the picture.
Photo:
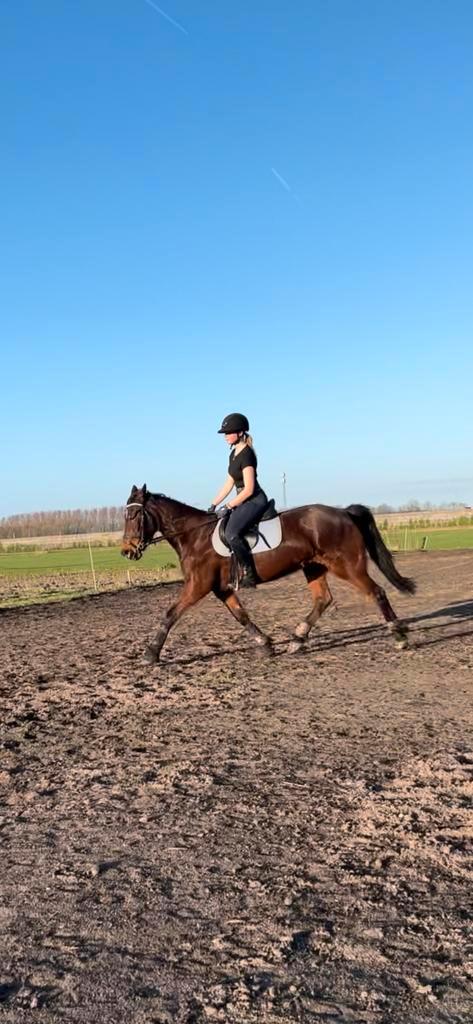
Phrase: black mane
(181, 505)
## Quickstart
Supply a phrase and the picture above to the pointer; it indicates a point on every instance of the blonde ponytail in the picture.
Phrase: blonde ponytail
(249, 441)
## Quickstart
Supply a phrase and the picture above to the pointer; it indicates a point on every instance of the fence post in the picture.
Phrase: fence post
(92, 564)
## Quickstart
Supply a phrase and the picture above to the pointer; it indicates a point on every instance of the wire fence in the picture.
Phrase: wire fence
(29, 576)
(406, 540)
(38, 588)
(422, 539)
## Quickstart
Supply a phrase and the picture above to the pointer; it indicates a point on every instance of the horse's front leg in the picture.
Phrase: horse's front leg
(230, 600)
(191, 593)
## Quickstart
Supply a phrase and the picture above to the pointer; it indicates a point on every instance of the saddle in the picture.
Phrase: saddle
(264, 535)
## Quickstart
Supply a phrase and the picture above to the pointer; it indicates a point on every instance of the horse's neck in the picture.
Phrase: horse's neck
(172, 512)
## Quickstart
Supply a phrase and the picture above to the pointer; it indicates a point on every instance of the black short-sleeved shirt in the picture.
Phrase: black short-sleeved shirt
(238, 463)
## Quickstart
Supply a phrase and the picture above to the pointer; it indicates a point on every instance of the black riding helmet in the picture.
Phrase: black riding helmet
(234, 423)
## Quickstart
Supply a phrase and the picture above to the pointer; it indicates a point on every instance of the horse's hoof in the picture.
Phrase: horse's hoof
(151, 656)
(401, 635)
(295, 647)
(265, 650)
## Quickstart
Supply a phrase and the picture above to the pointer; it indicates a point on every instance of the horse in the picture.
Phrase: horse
(315, 538)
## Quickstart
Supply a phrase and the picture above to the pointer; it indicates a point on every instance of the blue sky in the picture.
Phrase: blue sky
(259, 207)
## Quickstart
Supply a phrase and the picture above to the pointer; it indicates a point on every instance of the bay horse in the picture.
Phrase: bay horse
(315, 538)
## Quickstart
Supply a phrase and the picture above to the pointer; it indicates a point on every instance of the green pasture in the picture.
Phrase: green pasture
(70, 560)
(447, 539)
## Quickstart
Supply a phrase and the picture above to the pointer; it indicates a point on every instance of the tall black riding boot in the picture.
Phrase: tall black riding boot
(244, 559)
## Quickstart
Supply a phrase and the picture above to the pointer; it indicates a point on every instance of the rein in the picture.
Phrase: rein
(146, 511)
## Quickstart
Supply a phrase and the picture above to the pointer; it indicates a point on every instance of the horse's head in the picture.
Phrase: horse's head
(140, 523)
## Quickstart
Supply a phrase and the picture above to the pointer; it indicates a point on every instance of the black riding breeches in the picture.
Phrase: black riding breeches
(241, 518)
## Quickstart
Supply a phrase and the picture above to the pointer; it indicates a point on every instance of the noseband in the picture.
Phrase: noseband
(142, 543)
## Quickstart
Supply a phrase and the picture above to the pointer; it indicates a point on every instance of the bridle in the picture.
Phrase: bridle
(142, 543)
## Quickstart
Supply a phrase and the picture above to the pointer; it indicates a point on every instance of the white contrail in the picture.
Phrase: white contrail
(281, 179)
(167, 16)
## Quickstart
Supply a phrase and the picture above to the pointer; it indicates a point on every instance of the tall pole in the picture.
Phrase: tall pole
(92, 565)
(284, 495)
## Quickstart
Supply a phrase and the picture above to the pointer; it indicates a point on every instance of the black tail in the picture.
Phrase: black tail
(376, 548)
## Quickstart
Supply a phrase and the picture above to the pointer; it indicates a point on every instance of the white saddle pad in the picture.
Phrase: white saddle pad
(270, 529)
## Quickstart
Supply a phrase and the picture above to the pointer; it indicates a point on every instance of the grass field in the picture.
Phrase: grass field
(438, 539)
(75, 560)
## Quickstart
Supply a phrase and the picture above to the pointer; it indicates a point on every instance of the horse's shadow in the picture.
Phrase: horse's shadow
(367, 634)
(327, 641)
(459, 610)
(456, 610)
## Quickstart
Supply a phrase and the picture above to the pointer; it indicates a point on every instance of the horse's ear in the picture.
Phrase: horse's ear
(134, 490)
(144, 489)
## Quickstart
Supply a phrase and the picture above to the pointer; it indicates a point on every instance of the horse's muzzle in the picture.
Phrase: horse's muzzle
(134, 553)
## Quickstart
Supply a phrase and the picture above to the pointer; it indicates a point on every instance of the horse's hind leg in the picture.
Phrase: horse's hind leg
(362, 581)
(395, 625)
(316, 577)
(230, 600)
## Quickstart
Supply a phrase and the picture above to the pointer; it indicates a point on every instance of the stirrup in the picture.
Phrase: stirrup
(248, 579)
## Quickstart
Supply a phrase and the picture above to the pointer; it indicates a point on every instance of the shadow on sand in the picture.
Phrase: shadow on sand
(326, 641)
(455, 610)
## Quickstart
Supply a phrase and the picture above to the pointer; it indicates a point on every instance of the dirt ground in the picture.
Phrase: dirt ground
(228, 838)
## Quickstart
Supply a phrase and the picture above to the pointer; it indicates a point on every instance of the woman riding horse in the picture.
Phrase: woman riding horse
(315, 538)
(250, 501)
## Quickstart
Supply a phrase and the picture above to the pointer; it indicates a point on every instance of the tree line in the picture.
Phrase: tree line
(64, 523)
(416, 506)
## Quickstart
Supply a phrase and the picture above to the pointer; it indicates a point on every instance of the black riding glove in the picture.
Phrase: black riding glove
(211, 509)
(223, 511)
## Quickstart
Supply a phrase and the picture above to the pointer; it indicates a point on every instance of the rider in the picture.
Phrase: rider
(250, 501)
